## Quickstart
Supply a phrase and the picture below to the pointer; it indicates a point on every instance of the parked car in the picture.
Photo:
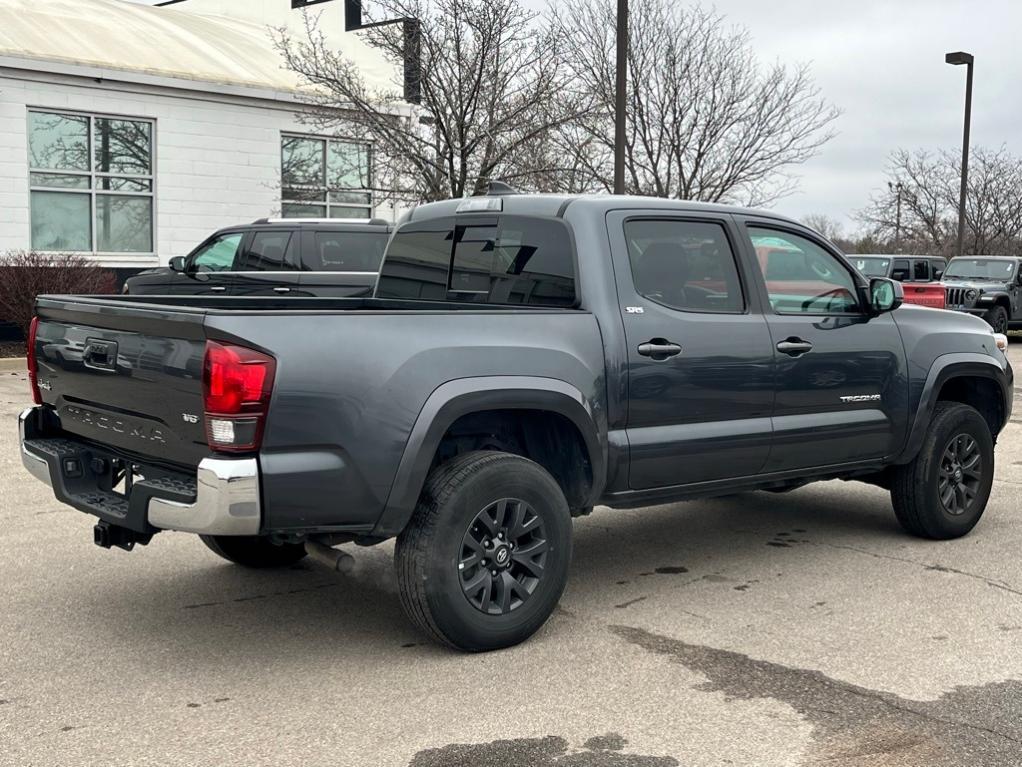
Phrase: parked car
(523, 359)
(305, 257)
(986, 286)
(919, 275)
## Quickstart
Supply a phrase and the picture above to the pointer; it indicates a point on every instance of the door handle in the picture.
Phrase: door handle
(659, 349)
(217, 289)
(794, 347)
(281, 289)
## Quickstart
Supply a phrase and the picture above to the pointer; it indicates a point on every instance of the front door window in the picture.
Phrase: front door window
(801, 277)
(219, 255)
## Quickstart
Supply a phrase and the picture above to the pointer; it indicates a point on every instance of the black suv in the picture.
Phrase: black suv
(986, 286)
(305, 257)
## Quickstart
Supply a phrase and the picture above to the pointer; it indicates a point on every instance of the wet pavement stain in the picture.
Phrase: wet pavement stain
(551, 751)
(674, 570)
(854, 725)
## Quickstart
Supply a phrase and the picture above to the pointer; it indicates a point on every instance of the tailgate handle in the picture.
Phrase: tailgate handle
(100, 355)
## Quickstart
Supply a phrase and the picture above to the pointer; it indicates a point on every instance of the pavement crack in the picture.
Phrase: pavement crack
(992, 582)
(267, 595)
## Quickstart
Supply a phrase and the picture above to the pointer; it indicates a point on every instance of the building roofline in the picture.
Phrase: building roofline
(96, 73)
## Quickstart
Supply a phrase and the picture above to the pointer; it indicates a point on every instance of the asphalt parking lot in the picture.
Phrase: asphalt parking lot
(754, 630)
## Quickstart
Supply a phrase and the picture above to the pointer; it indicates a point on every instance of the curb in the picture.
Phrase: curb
(13, 365)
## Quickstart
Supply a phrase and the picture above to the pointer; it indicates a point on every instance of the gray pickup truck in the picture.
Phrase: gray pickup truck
(523, 359)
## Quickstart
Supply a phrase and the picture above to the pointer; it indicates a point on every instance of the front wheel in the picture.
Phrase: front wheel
(997, 318)
(484, 559)
(254, 550)
(943, 492)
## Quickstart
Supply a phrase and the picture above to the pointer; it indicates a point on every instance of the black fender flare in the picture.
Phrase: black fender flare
(464, 396)
(945, 368)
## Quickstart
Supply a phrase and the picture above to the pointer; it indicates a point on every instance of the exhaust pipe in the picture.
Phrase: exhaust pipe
(335, 559)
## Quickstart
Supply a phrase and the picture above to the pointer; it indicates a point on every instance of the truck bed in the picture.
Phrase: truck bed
(125, 374)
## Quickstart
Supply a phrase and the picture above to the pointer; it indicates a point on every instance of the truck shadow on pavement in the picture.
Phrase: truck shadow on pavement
(312, 610)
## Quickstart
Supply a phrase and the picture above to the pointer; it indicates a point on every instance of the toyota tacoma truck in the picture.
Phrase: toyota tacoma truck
(522, 359)
(986, 286)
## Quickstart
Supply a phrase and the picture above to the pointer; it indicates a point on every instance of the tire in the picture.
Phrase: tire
(254, 550)
(917, 487)
(459, 512)
(997, 318)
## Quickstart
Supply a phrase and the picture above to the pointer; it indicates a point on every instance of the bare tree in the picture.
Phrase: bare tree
(829, 227)
(929, 182)
(705, 120)
(492, 89)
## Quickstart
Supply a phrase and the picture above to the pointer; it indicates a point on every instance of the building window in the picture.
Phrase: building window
(325, 178)
(91, 181)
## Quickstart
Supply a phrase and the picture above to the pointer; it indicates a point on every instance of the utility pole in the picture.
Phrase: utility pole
(620, 96)
(957, 59)
(897, 188)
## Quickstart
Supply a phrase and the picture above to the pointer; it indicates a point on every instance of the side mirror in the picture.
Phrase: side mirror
(177, 264)
(938, 273)
(885, 295)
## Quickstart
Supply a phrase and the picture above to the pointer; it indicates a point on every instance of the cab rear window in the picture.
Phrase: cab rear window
(481, 259)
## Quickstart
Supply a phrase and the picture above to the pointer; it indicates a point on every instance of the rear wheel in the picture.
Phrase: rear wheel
(997, 318)
(944, 491)
(484, 559)
(254, 550)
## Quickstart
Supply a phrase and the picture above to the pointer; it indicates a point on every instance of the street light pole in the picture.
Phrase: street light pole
(958, 58)
(620, 96)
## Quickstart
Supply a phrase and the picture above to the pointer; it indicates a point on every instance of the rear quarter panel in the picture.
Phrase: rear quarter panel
(350, 386)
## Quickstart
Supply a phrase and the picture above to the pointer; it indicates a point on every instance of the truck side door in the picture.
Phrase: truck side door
(268, 264)
(842, 383)
(699, 360)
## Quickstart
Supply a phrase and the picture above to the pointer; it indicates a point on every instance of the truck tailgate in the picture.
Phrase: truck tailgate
(128, 377)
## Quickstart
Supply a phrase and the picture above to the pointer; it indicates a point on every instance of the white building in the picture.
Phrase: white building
(129, 133)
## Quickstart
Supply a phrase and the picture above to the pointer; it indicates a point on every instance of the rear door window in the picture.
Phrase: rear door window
(685, 265)
(921, 271)
(269, 252)
(345, 252)
(483, 259)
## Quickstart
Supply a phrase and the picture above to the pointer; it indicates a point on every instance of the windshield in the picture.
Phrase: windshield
(979, 269)
(872, 267)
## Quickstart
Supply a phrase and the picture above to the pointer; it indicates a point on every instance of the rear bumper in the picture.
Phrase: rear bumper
(222, 498)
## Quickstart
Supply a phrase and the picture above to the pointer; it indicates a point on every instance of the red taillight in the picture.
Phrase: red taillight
(236, 384)
(33, 380)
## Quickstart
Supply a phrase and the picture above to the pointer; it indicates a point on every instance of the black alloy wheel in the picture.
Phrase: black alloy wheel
(961, 475)
(503, 554)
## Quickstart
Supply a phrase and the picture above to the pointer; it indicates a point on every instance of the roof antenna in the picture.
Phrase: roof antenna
(499, 188)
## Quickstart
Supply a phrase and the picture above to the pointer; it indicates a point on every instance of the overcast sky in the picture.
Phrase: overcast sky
(882, 63)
